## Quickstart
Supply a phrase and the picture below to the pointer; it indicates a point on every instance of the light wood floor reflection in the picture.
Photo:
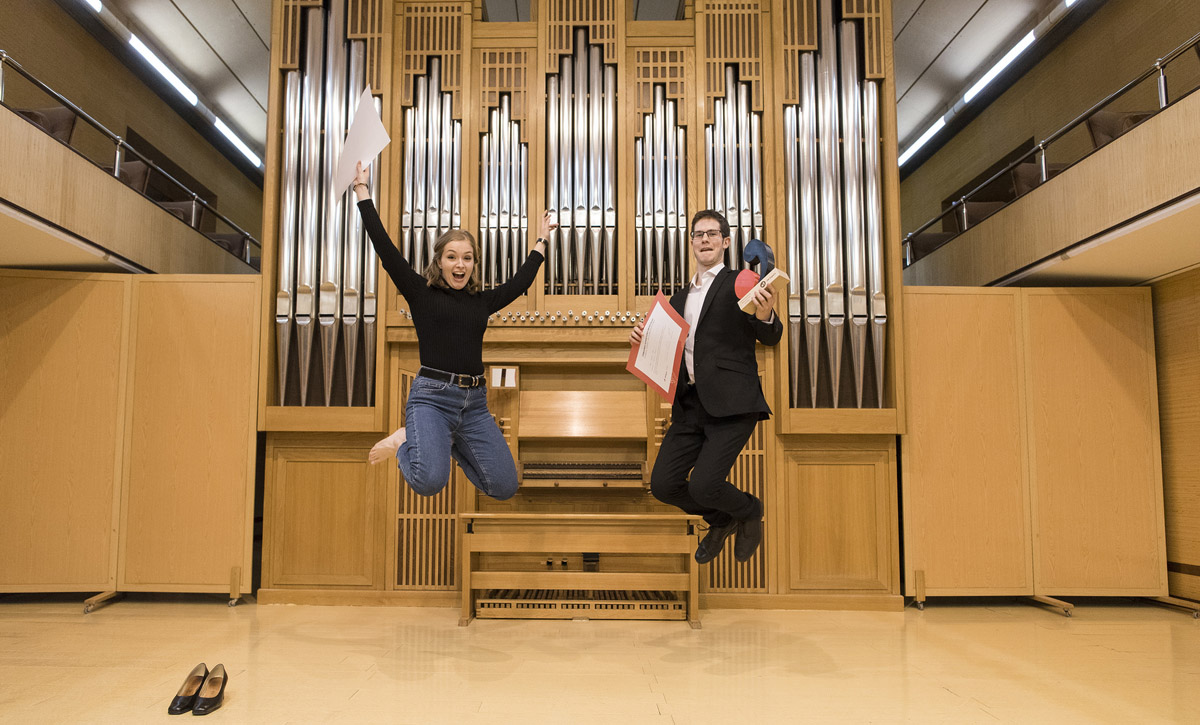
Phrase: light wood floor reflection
(959, 662)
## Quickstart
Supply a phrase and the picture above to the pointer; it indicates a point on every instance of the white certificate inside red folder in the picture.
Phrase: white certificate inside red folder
(656, 358)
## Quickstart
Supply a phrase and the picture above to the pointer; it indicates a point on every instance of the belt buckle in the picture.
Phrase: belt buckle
(469, 381)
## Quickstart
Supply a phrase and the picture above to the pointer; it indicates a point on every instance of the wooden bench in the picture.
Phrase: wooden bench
(672, 593)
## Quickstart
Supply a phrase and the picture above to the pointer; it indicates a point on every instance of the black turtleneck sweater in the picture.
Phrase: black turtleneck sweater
(450, 323)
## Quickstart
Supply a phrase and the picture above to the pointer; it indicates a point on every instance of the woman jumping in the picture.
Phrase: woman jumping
(447, 414)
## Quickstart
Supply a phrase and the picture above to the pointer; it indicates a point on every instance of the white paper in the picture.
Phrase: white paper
(365, 139)
(656, 354)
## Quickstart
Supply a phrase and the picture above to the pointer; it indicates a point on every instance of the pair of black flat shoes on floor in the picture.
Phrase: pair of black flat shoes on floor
(749, 537)
(202, 691)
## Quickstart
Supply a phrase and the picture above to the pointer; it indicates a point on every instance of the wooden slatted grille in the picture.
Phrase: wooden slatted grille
(799, 32)
(504, 71)
(291, 33)
(432, 30)
(426, 531)
(871, 12)
(732, 34)
(364, 21)
(666, 66)
(563, 16)
(725, 573)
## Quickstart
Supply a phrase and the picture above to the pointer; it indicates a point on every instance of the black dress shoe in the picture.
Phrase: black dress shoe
(714, 541)
(186, 697)
(749, 537)
(212, 693)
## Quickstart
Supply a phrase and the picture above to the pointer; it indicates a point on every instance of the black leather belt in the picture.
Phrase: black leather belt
(462, 381)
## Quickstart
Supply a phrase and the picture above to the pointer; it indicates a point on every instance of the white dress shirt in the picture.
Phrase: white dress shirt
(697, 290)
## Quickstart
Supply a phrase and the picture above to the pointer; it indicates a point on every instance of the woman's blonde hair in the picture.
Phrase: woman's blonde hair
(433, 270)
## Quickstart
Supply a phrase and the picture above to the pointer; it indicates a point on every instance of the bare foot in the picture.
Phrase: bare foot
(386, 448)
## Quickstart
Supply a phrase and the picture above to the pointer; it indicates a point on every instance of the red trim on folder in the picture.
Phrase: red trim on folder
(669, 393)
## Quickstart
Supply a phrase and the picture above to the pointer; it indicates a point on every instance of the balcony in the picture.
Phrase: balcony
(1125, 213)
(60, 209)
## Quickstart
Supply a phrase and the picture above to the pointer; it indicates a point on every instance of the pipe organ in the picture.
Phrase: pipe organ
(834, 223)
(503, 201)
(776, 113)
(661, 221)
(581, 153)
(733, 158)
(324, 279)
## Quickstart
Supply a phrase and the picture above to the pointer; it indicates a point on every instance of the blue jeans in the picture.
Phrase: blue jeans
(443, 420)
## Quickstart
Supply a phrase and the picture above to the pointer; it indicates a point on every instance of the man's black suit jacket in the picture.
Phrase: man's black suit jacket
(723, 356)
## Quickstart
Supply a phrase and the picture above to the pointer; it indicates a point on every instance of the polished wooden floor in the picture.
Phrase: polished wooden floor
(959, 662)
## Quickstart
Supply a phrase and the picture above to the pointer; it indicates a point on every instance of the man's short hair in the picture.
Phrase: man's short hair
(715, 216)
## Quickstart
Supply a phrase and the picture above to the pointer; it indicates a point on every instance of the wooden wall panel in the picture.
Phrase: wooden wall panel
(839, 517)
(62, 341)
(188, 499)
(1094, 443)
(1177, 342)
(324, 514)
(965, 470)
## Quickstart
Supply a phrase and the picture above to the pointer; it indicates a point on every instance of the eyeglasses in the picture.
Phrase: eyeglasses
(710, 233)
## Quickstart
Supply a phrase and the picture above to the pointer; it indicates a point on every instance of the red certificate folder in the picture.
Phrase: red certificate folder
(661, 305)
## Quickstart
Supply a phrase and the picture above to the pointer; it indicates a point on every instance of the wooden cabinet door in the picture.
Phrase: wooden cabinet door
(966, 469)
(325, 523)
(840, 520)
(188, 499)
(1094, 446)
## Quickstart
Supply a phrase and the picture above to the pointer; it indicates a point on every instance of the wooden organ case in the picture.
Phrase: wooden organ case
(762, 109)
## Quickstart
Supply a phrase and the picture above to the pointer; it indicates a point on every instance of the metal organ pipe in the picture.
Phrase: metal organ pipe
(309, 215)
(596, 159)
(671, 151)
(351, 224)
(552, 180)
(810, 234)
(856, 253)
(830, 195)
(658, 186)
(332, 200)
(566, 219)
(610, 178)
(872, 199)
(370, 285)
(288, 199)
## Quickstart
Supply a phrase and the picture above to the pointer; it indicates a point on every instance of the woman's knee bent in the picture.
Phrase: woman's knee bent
(426, 480)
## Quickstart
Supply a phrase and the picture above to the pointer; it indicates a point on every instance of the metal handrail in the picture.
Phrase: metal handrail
(121, 147)
(1159, 67)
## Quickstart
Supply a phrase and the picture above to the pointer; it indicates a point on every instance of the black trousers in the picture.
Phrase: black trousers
(705, 447)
